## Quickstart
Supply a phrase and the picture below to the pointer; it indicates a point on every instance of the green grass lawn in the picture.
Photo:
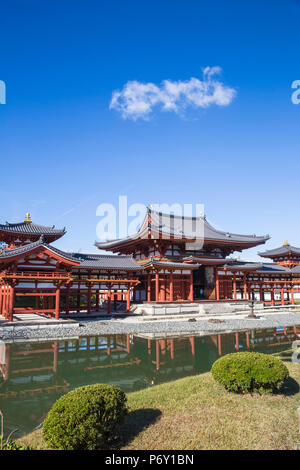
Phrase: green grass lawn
(197, 413)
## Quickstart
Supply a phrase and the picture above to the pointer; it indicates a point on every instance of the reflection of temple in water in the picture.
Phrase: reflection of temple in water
(34, 375)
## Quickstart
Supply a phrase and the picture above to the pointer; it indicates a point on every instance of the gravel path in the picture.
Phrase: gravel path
(202, 326)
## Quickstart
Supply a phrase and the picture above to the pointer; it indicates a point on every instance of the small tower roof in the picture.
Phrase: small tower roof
(285, 249)
(28, 230)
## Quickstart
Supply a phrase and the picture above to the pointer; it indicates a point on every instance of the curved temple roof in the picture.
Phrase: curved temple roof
(174, 227)
(30, 229)
(248, 266)
(285, 249)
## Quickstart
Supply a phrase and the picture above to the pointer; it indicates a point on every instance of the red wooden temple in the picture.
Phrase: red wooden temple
(166, 261)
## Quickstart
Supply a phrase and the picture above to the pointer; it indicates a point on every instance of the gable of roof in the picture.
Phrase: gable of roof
(7, 255)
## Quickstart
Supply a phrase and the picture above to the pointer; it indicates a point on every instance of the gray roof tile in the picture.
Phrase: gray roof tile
(257, 267)
(29, 228)
(95, 261)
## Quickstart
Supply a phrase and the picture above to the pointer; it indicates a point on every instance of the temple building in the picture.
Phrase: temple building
(180, 256)
(171, 259)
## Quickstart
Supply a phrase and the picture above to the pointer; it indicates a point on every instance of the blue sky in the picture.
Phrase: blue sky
(64, 151)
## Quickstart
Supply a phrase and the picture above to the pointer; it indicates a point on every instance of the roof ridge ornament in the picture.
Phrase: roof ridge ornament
(27, 218)
(286, 243)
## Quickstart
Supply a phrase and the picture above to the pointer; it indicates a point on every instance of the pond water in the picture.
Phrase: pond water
(34, 375)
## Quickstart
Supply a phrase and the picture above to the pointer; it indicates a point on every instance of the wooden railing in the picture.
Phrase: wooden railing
(35, 275)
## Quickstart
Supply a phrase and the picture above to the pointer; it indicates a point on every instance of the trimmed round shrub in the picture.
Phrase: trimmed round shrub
(245, 372)
(85, 418)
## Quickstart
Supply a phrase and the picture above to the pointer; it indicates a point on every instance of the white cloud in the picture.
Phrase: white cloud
(138, 100)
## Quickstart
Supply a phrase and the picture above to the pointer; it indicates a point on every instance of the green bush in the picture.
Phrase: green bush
(85, 418)
(244, 372)
(11, 445)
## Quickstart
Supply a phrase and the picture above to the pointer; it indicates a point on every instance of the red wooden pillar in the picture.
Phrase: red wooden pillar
(163, 288)
(183, 286)
(11, 304)
(57, 300)
(171, 287)
(234, 287)
(219, 345)
(172, 348)
(4, 301)
(245, 287)
(157, 354)
(128, 300)
(12, 301)
(292, 294)
(55, 356)
(7, 302)
(217, 282)
(156, 287)
(78, 298)
(192, 341)
(148, 288)
(109, 301)
(163, 346)
(149, 346)
(191, 287)
(67, 298)
(282, 296)
(1, 298)
(237, 343)
(272, 295)
(89, 298)
(247, 339)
